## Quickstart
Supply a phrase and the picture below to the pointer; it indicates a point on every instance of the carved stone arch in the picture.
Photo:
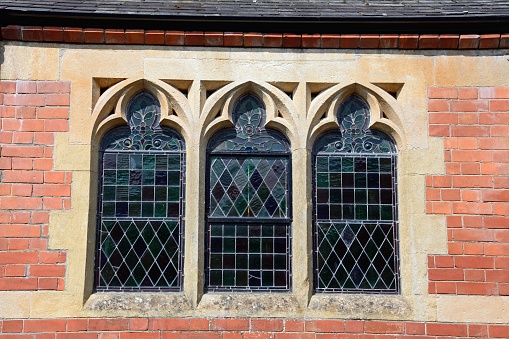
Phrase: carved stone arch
(280, 110)
(111, 107)
(385, 112)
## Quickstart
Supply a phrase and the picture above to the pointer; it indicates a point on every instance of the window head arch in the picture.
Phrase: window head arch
(141, 203)
(355, 206)
(248, 204)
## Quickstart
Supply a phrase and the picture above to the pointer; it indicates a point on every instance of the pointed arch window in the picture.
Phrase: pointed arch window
(141, 203)
(355, 206)
(248, 205)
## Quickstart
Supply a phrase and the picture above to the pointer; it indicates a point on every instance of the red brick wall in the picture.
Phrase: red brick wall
(242, 328)
(31, 113)
(474, 192)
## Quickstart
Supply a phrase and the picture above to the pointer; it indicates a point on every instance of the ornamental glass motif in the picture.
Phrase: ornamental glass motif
(140, 226)
(355, 206)
(248, 213)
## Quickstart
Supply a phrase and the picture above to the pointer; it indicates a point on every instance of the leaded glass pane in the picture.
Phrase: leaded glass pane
(141, 203)
(355, 204)
(248, 235)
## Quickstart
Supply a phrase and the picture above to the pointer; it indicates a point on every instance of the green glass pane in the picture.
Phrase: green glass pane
(110, 177)
(122, 193)
(334, 164)
(147, 177)
(322, 164)
(134, 193)
(123, 177)
(160, 210)
(386, 212)
(229, 230)
(373, 212)
(335, 180)
(147, 209)
(229, 245)
(174, 193)
(173, 163)
(109, 193)
(228, 278)
(160, 193)
(216, 230)
(361, 212)
(174, 178)
(372, 165)
(108, 209)
(123, 161)
(136, 161)
(385, 165)
(335, 196)
(360, 196)
(134, 209)
(360, 180)
(322, 180)
(149, 161)
(161, 162)
(347, 164)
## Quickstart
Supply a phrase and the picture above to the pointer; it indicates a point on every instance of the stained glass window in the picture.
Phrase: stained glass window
(355, 206)
(248, 218)
(141, 203)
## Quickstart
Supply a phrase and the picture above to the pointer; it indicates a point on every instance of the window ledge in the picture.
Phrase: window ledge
(360, 306)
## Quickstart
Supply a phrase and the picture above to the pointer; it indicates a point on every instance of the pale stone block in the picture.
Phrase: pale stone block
(471, 308)
(30, 62)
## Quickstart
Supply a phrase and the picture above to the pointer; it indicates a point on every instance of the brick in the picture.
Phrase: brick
(196, 335)
(494, 168)
(115, 324)
(47, 284)
(494, 118)
(43, 164)
(439, 106)
(499, 106)
(470, 155)
(489, 41)
(25, 87)
(311, 40)
(194, 38)
(504, 41)
(53, 34)
(439, 131)
(11, 32)
(428, 41)
(134, 36)
(498, 331)
(496, 222)
(253, 40)
(443, 118)
(324, 326)
(53, 87)
(471, 208)
(469, 105)
(233, 39)
(18, 284)
(388, 41)
(56, 125)
(47, 271)
(154, 37)
(196, 324)
(294, 325)
(408, 41)
(7, 86)
(31, 33)
(444, 261)
(295, 336)
(23, 176)
(446, 329)
(12, 326)
(24, 99)
(213, 39)
(369, 41)
(78, 335)
(350, 41)
(501, 236)
(494, 92)
(442, 92)
(445, 274)
(20, 190)
(292, 40)
(22, 138)
(54, 190)
(175, 38)
(20, 203)
(496, 248)
(94, 35)
(497, 276)
(272, 40)
(448, 41)
(469, 41)
(268, 325)
(330, 41)
(258, 335)
(74, 35)
(114, 36)
(57, 99)
(138, 324)
(168, 324)
(20, 231)
(18, 244)
(54, 177)
(229, 324)
(32, 125)
(414, 328)
(7, 112)
(468, 93)
(495, 195)
(476, 288)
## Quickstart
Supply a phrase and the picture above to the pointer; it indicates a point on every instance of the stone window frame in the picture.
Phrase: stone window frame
(198, 108)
